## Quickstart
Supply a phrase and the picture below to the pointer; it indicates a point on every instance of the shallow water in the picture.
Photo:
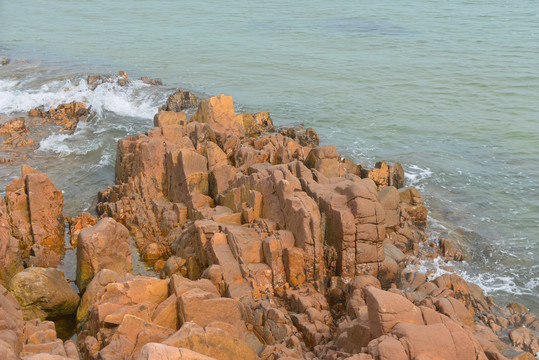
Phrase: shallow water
(451, 90)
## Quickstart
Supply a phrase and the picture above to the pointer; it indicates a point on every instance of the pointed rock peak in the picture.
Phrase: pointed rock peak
(27, 170)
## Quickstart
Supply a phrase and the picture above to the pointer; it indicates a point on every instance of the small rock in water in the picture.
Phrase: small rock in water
(4, 60)
(180, 100)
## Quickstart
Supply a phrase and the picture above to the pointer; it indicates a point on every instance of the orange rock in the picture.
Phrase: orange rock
(78, 223)
(45, 204)
(165, 118)
(387, 309)
(102, 246)
(218, 112)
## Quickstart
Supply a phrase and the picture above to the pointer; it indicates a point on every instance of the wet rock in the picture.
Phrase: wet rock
(525, 339)
(78, 223)
(4, 60)
(16, 132)
(102, 246)
(15, 125)
(43, 293)
(450, 249)
(181, 100)
(67, 115)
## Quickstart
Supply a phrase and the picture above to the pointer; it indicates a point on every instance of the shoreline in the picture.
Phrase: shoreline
(477, 269)
(219, 170)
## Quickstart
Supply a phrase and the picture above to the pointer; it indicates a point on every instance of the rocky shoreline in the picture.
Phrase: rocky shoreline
(268, 246)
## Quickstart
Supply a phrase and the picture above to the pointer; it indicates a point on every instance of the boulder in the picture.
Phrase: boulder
(43, 293)
(218, 112)
(102, 246)
(387, 310)
(155, 351)
(210, 341)
(165, 118)
(181, 100)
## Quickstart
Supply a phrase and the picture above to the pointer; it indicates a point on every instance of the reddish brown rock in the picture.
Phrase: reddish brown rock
(218, 112)
(102, 246)
(10, 257)
(387, 309)
(210, 341)
(15, 125)
(45, 204)
(155, 351)
(78, 223)
(166, 118)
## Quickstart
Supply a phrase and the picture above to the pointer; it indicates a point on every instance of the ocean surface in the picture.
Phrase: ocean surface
(449, 89)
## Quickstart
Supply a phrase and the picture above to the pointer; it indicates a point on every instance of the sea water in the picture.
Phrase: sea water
(449, 89)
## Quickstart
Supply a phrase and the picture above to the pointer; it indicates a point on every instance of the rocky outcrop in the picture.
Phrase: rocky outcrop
(66, 115)
(16, 132)
(270, 246)
(31, 223)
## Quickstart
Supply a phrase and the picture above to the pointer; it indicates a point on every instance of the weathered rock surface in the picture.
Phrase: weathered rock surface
(102, 246)
(43, 293)
(66, 115)
(33, 339)
(31, 223)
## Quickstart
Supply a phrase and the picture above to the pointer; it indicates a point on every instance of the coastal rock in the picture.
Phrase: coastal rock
(43, 293)
(35, 206)
(4, 60)
(218, 112)
(181, 100)
(210, 341)
(45, 204)
(11, 322)
(15, 125)
(387, 310)
(166, 118)
(102, 246)
(10, 256)
(67, 115)
(155, 351)
(412, 341)
(78, 223)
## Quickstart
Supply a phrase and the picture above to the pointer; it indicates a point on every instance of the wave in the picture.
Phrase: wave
(136, 99)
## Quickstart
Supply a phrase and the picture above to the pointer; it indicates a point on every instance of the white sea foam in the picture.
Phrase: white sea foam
(137, 99)
(416, 175)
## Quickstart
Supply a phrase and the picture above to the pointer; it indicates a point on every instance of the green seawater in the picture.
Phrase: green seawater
(449, 89)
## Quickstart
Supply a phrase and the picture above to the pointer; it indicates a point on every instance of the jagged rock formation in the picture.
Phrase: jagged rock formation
(269, 246)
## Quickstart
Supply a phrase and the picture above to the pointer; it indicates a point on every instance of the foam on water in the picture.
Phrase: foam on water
(416, 175)
(136, 99)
